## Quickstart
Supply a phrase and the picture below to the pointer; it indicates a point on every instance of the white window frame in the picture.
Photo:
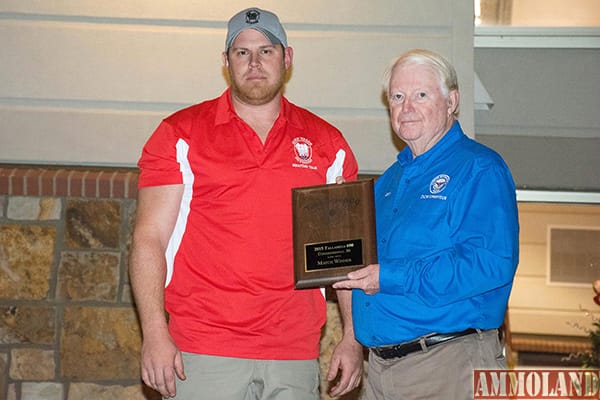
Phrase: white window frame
(536, 37)
(547, 196)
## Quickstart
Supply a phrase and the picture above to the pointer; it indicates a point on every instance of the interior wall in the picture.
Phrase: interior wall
(87, 82)
(545, 120)
(539, 307)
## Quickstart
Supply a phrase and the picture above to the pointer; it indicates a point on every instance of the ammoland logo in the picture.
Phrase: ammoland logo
(536, 384)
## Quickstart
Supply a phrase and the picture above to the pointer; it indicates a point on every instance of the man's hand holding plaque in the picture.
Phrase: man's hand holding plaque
(334, 232)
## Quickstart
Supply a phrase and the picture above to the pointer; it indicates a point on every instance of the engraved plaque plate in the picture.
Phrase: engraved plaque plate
(334, 232)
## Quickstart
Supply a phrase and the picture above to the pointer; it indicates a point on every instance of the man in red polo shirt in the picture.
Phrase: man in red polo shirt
(212, 243)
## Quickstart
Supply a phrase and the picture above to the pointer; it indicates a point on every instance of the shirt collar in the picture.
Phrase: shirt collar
(455, 132)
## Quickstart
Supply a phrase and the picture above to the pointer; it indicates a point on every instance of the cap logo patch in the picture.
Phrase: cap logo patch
(252, 17)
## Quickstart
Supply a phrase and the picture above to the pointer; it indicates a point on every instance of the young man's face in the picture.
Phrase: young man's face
(256, 67)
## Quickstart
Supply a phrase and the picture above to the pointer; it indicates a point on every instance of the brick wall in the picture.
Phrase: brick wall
(92, 183)
(68, 327)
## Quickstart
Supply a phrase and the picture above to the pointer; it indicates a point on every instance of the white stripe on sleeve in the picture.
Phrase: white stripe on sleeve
(337, 168)
(184, 207)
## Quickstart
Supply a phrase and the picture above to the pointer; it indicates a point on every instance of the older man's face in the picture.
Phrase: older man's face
(421, 113)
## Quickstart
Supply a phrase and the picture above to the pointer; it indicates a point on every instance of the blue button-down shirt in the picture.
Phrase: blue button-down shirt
(447, 231)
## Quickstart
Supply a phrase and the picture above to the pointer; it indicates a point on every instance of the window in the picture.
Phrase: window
(573, 254)
(537, 23)
(538, 13)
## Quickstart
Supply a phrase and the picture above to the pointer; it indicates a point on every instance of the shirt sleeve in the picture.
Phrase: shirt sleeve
(345, 163)
(483, 226)
(350, 172)
(159, 163)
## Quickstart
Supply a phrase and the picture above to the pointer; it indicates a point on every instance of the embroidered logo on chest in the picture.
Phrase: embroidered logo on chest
(302, 150)
(436, 186)
(438, 183)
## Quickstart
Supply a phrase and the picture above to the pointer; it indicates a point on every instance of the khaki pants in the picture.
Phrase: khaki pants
(442, 372)
(223, 378)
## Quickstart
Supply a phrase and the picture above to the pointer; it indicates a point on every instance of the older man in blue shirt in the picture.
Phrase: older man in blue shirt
(447, 232)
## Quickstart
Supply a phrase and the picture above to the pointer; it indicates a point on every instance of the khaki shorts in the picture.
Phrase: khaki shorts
(223, 378)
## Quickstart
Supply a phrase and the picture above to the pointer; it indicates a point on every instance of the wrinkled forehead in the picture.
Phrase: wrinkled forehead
(411, 74)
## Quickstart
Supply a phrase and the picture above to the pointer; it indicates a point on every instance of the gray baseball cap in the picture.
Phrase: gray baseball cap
(263, 21)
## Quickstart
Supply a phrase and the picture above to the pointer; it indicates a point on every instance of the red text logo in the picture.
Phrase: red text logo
(536, 384)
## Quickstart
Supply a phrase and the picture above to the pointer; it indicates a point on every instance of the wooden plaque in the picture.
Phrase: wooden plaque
(334, 232)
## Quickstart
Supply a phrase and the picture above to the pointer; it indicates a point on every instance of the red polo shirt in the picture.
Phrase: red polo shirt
(229, 289)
